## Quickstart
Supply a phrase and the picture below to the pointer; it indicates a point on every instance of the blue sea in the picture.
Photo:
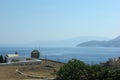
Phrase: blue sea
(90, 55)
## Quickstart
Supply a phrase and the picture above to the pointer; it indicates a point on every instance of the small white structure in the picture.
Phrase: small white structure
(14, 58)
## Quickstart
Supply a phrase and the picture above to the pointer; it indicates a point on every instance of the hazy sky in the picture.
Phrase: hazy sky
(24, 21)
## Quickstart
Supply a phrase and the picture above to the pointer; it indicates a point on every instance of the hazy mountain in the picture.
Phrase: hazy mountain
(110, 43)
(72, 42)
(65, 43)
(116, 39)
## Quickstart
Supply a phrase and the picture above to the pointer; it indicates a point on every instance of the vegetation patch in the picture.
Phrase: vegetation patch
(78, 70)
(14, 60)
(29, 59)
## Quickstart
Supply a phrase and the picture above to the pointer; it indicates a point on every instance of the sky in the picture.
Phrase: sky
(23, 21)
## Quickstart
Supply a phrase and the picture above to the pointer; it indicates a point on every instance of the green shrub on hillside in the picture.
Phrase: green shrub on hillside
(78, 70)
(73, 70)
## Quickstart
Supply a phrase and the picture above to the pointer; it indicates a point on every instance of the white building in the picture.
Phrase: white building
(14, 58)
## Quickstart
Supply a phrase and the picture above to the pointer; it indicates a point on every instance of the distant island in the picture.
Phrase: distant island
(94, 43)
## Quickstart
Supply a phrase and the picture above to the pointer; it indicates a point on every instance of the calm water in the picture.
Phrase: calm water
(89, 55)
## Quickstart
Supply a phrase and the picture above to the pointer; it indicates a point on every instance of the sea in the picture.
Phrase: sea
(90, 55)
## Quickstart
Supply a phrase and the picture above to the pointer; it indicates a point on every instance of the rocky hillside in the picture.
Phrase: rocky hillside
(111, 43)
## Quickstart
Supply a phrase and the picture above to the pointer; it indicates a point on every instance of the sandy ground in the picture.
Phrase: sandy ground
(46, 68)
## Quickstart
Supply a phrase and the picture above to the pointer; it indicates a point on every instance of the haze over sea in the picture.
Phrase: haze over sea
(90, 55)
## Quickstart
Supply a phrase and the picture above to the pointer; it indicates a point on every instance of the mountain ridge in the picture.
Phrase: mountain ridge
(94, 43)
(70, 42)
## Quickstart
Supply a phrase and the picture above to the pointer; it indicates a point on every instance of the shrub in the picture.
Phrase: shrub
(73, 70)
(1, 59)
(14, 60)
(78, 70)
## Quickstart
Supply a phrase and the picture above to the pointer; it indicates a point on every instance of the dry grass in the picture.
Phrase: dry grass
(46, 68)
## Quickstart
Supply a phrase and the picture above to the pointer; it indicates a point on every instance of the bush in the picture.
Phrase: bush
(73, 70)
(29, 59)
(1, 59)
(14, 60)
(78, 70)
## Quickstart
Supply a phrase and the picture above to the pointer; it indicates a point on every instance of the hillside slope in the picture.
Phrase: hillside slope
(111, 43)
